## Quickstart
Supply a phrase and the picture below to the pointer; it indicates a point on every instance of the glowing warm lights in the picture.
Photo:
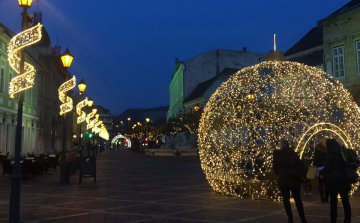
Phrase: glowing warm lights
(121, 137)
(17, 43)
(82, 86)
(67, 58)
(90, 102)
(82, 114)
(25, 3)
(147, 120)
(248, 115)
(67, 101)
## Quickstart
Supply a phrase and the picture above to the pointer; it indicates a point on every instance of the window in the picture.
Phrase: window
(2, 74)
(338, 62)
(358, 55)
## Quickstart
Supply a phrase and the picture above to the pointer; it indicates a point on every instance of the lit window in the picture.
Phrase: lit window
(358, 55)
(338, 62)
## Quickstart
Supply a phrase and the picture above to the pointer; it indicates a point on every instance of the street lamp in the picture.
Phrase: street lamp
(90, 102)
(82, 87)
(25, 3)
(129, 119)
(66, 59)
(147, 126)
(18, 64)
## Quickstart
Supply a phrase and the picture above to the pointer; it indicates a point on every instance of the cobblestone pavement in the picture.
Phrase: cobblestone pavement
(134, 188)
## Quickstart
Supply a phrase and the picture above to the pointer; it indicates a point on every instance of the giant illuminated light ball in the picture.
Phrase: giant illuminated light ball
(248, 115)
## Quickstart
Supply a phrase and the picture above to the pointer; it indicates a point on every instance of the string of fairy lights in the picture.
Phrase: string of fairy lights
(17, 43)
(248, 115)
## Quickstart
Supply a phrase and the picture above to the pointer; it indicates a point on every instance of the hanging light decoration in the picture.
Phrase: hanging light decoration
(17, 43)
(67, 101)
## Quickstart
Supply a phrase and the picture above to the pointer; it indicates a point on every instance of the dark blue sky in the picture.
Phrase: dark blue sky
(125, 49)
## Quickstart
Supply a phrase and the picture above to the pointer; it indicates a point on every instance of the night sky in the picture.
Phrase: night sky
(125, 49)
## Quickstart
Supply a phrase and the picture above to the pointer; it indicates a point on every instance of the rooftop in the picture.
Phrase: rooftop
(347, 7)
(311, 39)
(203, 86)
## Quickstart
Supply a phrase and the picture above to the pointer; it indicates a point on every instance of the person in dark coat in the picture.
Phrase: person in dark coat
(284, 160)
(319, 161)
(335, 170)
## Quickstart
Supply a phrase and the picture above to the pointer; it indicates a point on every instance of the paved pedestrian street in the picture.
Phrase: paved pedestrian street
(134, 188)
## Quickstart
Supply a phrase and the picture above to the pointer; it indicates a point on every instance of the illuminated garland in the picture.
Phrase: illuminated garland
(82, 114)
(89, 116)
(258, 106)
(91, 123)
(16, 44)
(67, 101)
(104, 133)
(96, 129)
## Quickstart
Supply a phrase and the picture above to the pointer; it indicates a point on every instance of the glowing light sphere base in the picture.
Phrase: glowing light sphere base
(248, 115)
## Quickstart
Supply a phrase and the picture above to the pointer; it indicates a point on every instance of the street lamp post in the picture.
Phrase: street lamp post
(66, 59)
(147, 130)
(14, 215)
(129, 121)
(90, 104)
(82, 87)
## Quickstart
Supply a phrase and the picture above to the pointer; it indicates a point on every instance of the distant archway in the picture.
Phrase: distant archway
(121, 137)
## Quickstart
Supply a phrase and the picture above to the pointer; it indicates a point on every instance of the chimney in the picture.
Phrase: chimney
(217, 69)
(217, 63)
(244, 49)
(57, 50)
(37, 17)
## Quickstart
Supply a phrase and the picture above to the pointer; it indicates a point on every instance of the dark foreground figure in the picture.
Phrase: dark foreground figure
(335, 171)
(285, 161)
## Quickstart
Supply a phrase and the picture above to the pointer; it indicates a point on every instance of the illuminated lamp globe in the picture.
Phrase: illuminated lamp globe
(90, 102)
(147, 120)
(25, 3)
(248, 115)
(67, 58)
(82, 86)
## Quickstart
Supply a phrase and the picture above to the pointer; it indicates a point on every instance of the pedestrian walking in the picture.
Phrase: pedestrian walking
(338, 183)
(288, 167)
(319, 162)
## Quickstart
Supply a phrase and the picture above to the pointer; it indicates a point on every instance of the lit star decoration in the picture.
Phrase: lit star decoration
(67, 101)
(17, 43)
(82, 114)
(251, 112)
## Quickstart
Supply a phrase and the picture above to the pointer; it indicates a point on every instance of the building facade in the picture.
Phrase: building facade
(189, 73)
(334, 45)
(42, 124)
(342, 43)
(9, 106)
